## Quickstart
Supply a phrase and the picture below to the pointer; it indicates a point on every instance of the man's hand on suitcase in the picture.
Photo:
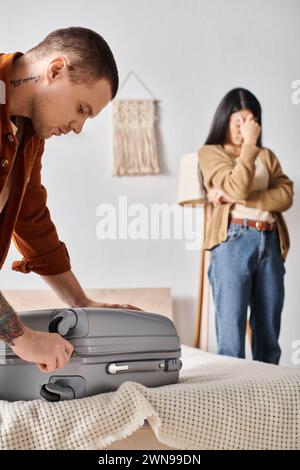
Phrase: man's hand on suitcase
(93, 303)
(49, 351)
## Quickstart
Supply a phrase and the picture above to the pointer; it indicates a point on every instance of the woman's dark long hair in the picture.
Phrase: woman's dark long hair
(233, 101)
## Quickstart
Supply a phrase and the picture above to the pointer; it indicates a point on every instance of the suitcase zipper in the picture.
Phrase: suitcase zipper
(99, 354)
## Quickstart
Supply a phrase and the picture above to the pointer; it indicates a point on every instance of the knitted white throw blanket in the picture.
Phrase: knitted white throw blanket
(220, 403)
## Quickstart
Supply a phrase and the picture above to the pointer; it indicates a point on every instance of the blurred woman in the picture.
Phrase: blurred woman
(246, 232)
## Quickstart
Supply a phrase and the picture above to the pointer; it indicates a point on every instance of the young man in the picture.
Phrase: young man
(50, 90)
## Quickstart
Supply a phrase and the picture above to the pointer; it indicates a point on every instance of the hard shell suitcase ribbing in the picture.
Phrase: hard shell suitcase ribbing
(111, 346)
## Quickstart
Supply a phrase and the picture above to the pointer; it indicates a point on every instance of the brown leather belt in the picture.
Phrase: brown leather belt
(260, 225)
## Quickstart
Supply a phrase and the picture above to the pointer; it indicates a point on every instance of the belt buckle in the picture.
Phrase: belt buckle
(258, 225)
(261, 226)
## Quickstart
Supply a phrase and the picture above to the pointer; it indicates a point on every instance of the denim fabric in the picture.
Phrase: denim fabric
(247, 269)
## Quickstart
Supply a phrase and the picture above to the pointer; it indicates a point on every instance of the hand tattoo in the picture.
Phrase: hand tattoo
(10, 324)
(21, 81)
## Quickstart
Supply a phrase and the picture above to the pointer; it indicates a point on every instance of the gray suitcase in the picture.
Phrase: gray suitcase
(111, 346)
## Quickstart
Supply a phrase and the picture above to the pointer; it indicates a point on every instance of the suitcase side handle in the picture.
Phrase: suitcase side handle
(166, 365)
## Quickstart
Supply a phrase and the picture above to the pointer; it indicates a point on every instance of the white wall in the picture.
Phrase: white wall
(189, 53)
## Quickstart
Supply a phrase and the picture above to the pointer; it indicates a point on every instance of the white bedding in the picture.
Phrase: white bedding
(220, 403)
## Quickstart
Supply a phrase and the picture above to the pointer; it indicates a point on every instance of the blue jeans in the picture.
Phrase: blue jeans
(247, 269)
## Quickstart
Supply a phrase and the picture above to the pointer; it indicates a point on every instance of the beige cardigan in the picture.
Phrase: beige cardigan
(220, 170)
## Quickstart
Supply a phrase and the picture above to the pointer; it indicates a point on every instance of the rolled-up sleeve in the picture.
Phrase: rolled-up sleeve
(35, 235)
(219, 172)
(279, 196)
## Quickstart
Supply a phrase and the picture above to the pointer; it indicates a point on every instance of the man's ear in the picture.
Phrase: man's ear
(56, 68)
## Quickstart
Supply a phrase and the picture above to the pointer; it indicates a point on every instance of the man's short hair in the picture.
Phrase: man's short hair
(90, 57)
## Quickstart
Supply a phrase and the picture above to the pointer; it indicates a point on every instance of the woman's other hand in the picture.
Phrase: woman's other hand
(217, 197)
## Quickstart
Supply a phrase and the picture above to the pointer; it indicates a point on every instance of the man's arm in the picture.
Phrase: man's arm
(68, 289)
(10, 324)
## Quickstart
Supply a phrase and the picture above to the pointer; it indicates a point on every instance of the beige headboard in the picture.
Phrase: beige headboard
(156, 300)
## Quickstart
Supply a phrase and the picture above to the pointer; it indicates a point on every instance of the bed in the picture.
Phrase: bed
(220, 402)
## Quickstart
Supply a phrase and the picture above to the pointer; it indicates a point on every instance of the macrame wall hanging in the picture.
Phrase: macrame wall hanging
(134, 139)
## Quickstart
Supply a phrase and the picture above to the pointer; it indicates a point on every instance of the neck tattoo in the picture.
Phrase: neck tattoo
(22, 81)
